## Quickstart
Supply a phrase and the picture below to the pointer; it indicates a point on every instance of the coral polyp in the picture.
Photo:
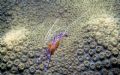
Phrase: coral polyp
(59, 37)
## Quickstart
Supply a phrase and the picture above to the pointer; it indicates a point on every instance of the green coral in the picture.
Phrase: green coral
(115, 52)
(114, 61)
(95, 57)
(86, 63)
(92, 66)
(93, 44)
(108, 54)
(32, 69)
(14, 70)
(107, 63)
(9, 64)
(99, 48)
(102, 55)
(16, 62)
(2, 66)
(24, 58)
(98, 65)
(21, 66)
(31, 54)
(91, 52)
(19, 54)
(12, 56)
(3, 51)
(5, 58)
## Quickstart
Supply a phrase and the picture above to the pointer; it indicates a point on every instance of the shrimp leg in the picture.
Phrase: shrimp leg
(48, 59)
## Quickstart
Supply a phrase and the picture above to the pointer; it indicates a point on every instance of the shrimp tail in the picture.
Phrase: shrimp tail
(48, 60)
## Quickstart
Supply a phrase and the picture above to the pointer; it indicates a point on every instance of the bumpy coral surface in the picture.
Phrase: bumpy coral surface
(91, 48)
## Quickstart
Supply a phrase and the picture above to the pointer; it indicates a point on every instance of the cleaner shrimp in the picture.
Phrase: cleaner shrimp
(54, 42)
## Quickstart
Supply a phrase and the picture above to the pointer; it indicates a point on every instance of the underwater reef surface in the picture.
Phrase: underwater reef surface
(91, 48)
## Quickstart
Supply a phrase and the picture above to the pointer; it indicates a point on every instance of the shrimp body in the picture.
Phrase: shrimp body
(54, 44)
(52, 47)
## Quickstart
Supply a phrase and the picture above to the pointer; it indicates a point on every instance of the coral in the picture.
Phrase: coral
(85, 73)
(61, 70)
(95, 57)
(86, 48)
(104, 71)
(80, 45)
(30, 62)
(102, 55)
(93, 44)
(106, 44)
(24, 58)
(92, 65)
(118, 46)
(86, 63)
(8, 53)
(6, 6)
(9, 64)
(16, 62)
(82, 67)
(114, 42)
(38, 72)
(17, 49)
(15, 36)
(21, 66)
(19, 54)
(115, 71)
(26, 72)
(99, 41)
(31, 54)
(5, 58)
(85, 41)
(107, 63)
(6, 73)
(3, 51)
(37, 66)
(91, 72)
(87, 57)
(108, 54)
(2, 44)
(90, 39)
(98, 65)
(27, 64)
(81, 58)
(79, 52)
(110, 73)
(118, 60)
(12, 56)
(110, 47)
(99, 49)
(91, 52)
(97, 73)
(115, 51)
(14, 69)
(25, 51)
(37, 60)
(114, 61)
(91, 48)
(37, 53)
(32, 69)
(9, 48)
(2, 66)
(41, 66)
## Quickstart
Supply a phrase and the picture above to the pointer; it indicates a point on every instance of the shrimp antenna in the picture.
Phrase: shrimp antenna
(50, 30)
